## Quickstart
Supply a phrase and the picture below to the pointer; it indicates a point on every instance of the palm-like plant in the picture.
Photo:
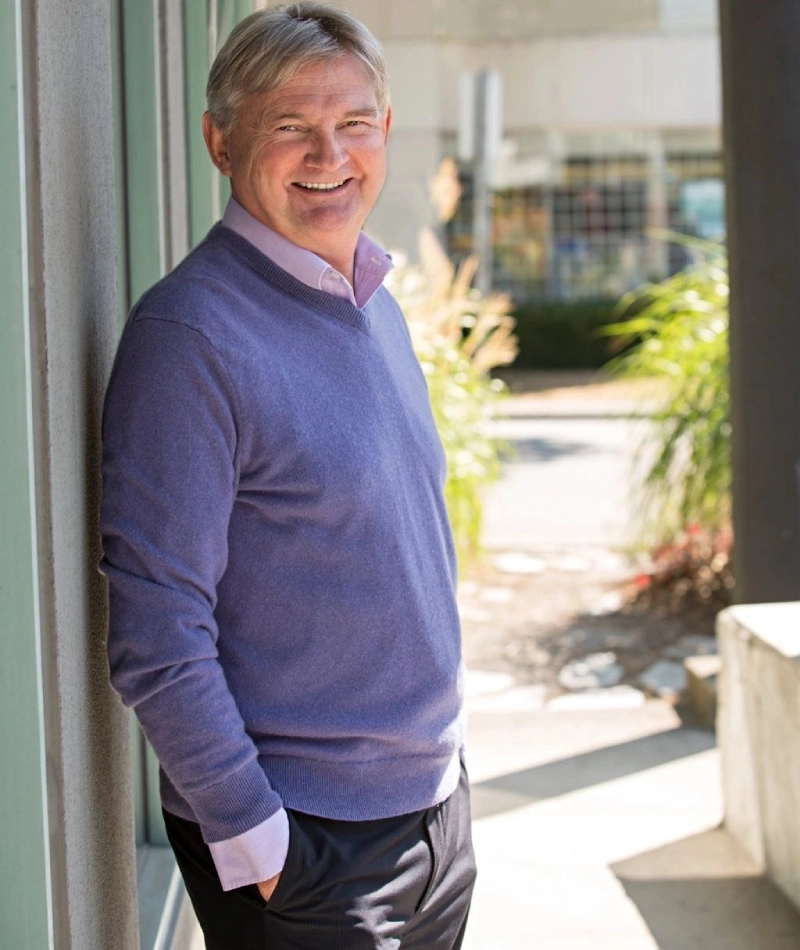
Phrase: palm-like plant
(679, 334)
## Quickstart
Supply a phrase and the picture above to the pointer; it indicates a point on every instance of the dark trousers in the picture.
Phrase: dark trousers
(393, 883)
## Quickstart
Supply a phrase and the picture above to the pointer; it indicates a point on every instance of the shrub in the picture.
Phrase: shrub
(556, 334)
(459, 335)
(681, 336)
(690, 575)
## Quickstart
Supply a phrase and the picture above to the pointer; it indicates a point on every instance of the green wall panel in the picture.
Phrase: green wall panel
(229, 13)
(144, 197)
(208, 190)
(123, 296)
(203, 177)
(24, 885)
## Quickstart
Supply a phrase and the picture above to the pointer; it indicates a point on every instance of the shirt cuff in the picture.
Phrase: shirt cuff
(253, 856)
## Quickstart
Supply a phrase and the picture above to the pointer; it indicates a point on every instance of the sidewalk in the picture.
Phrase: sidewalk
(580, 394)
(596, 819)
(598, 830)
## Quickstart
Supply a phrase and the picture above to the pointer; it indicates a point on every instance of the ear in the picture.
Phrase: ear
(217, 145)
(387, 124)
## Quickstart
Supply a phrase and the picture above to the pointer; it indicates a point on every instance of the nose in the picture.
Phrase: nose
(327, 152)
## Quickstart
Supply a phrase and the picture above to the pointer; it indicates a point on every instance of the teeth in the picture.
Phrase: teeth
(316, 186)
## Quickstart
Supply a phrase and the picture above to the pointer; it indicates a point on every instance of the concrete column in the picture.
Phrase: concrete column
(657, 206)
(761, 107)
(69, 180)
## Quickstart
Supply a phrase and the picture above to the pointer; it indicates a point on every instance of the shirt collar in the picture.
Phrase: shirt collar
(371, 263)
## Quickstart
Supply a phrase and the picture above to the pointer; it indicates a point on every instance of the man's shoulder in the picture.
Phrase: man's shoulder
(213, 291)
(204, 278)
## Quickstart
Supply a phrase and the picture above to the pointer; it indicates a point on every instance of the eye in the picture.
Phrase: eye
(288, 128)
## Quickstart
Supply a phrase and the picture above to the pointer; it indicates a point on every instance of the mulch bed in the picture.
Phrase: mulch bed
(531, 625)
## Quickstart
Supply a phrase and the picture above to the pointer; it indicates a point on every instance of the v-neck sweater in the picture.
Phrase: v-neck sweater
(281, 569)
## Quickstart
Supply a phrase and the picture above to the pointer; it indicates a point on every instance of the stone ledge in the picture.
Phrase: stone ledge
(758, 725)
(776, 625)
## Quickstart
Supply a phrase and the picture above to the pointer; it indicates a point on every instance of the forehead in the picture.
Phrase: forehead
(326, 87)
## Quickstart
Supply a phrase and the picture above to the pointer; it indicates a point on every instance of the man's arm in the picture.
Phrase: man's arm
(170, 476)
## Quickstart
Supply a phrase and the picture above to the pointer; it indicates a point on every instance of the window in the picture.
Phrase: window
(585, 231)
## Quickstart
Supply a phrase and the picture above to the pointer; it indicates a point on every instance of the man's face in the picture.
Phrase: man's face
(309, 160)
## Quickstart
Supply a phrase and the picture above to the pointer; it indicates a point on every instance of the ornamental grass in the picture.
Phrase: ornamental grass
(459, 336)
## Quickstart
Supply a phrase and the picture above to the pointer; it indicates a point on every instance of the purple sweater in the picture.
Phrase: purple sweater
(281, 570)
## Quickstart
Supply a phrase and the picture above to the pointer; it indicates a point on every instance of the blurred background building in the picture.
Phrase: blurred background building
(609, 126)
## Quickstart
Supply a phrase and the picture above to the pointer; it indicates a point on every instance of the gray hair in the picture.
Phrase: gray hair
(268, 48)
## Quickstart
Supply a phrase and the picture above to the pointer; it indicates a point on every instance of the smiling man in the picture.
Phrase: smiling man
(281, 570)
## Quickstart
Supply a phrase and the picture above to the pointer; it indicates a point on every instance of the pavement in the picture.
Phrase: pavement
(597, 823)
(573, 439)
(566, 484)
(599, 829)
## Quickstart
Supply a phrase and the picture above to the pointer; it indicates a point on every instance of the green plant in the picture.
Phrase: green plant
(459, 335)
(680, 335)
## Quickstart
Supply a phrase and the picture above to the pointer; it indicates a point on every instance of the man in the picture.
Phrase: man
(281, 569)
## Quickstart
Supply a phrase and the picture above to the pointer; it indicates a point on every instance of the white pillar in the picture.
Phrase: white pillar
(69, 181)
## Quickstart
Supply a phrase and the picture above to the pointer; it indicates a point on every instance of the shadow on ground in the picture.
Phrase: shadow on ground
(547, 450)
(704, 893)
(637, 637)
(517, 789)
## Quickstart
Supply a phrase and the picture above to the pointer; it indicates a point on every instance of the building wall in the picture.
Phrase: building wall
(74, 235)
(619, 82)
(700, 15)
(67, 249)
(479, 21)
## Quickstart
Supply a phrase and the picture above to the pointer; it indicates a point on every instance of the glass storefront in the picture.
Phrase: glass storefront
(596, 227)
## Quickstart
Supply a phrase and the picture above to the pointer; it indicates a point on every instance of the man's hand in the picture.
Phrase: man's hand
(267, 888)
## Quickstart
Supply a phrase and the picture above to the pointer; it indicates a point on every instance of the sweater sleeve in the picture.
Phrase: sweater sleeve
(170, 442)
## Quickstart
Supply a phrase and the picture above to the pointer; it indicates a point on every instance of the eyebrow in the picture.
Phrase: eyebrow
(365, 111)
(370, 111)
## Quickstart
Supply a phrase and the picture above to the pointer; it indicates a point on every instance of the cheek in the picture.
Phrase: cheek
(242, 171)
(379, 167)
(374, 158)
(257, 163)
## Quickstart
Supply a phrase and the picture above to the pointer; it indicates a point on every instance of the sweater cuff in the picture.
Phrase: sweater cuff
(235, 805)
(257, 855)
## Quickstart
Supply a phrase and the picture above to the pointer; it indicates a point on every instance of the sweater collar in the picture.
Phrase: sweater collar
(319, 300)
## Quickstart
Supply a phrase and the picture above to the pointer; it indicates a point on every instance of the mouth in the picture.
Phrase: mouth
(321, 187)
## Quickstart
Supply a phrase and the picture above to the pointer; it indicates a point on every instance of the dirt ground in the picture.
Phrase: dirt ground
(530, 614)
(532, 625)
